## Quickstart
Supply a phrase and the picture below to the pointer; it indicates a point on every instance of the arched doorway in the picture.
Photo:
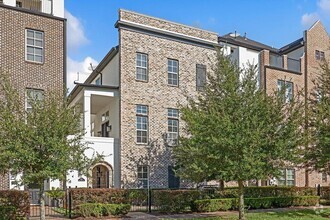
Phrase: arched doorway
(102, 176)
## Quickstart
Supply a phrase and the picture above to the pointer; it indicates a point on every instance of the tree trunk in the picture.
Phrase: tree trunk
(241, 200)
(221, 184)
(42, 202)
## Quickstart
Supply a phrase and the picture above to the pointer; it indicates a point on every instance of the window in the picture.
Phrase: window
(200, 77)
(173, 72)
(142, 66)
(287, 177)
(34, 46)
(142, 124)
(33, 96)
(98, 81)
(285, 88)
(18, 4)
(324, 177)
(172, 126)
(105, 126)
(143, 176)
(319, 55)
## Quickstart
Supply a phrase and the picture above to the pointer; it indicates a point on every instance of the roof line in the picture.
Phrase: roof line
(160, 19)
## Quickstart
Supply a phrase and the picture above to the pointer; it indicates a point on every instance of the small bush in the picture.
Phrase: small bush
(325, 192)
(213, 205)
(324, 202)
(98, 209)
(175, 201)
(20, 200)
(115, 209)
(7, 212)
(86, 195)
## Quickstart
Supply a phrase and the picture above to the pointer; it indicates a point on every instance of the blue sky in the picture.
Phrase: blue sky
(91, 31)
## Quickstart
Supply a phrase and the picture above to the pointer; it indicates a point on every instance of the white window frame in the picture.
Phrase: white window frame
(143, 175)
(288, 89)
(141, 121)
(28, 98)
(141, 64)
(284, 179)
(34, 46)
(172, 119)
(172, 75)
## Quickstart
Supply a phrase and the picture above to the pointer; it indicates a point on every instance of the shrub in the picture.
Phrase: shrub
(213, 205)
(138, 196)
(175, 200)
(87, 195)
(325, 192)
(97, 209)
(115, 209)
(90, 209)
(7, 212)
(15, 202)
(324, 202)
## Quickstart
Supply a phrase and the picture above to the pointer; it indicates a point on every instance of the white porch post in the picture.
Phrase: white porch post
(87, 113)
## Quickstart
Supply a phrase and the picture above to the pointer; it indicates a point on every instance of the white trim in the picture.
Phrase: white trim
(147, 27)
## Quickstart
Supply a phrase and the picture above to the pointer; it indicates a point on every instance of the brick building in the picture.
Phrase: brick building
(32, 49)
(130, 100)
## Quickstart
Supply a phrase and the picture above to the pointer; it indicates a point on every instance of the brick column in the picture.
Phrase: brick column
(285, 61)
(263, 61)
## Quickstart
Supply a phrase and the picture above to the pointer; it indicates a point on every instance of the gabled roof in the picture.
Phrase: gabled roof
(238, 40)
(95, 72)
(292, 46)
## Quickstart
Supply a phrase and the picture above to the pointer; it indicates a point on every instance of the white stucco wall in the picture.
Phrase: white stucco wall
(58, 6)
(111, 72)
(103, 146)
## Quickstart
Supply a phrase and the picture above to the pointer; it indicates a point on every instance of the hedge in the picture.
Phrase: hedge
(14, 204)
(87, 195)
(325, 192)
(100, 209)
(175, 200)
(212, 205)
(259, 192)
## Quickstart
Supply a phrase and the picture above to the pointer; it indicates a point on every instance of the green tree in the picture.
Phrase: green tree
(235, 131)
(43, 142)
(318, 153)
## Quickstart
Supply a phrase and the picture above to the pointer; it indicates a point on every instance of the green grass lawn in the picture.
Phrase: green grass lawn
(305, 214)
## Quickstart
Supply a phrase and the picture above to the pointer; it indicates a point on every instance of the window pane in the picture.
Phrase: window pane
(30, 33)
(30, 41)
(38, 35)
(38, 43)
(38, 59)
(30, 57)
(38, 51)
(30, 50)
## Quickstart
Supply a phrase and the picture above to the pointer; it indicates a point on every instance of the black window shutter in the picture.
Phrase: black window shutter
(200, 77)
(173, 181)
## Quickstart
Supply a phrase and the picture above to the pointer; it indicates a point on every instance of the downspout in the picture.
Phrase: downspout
(306, 104)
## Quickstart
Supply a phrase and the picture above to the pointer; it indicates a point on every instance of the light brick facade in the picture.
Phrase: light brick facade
(49, 75)
(155, 93)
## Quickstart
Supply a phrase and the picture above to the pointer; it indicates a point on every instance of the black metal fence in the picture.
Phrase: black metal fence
(55, 205)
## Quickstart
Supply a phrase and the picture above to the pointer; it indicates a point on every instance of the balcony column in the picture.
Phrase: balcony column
(87, 114)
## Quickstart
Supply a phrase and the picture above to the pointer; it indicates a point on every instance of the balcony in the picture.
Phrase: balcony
(44, 6)
(294, 65)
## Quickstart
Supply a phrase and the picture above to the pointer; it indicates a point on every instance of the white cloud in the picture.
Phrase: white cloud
(75, 32)
(324, 5)
(82, 67)
(307, 20)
